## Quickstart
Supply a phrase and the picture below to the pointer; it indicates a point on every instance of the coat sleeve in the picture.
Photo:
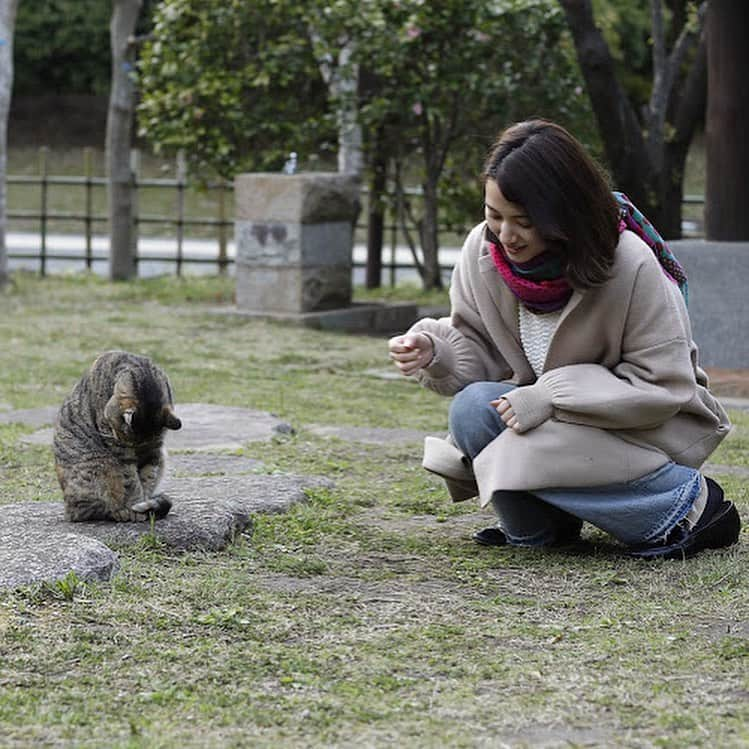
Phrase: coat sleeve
(463, 349)
(652, 382)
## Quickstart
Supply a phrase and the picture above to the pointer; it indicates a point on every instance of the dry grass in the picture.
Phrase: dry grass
(366, 617)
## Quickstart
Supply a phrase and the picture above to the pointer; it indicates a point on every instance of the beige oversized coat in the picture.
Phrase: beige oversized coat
(621, 392)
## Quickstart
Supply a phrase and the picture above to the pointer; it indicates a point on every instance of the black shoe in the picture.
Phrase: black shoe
(495, 537)
(490, 537)
(718, 527)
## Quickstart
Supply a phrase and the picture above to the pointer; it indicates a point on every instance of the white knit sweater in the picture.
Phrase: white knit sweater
(536, 332)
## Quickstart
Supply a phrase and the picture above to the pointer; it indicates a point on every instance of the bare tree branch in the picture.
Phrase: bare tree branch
(617, 120)
(404, 214)
(690, 108)
(656, 112)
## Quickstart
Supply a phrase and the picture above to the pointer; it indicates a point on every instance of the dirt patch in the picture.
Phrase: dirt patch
(729, 382)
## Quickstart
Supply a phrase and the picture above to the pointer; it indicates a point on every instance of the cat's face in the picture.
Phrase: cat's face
(139, 412)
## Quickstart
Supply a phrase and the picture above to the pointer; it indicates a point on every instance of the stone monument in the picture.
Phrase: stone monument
(294, 238)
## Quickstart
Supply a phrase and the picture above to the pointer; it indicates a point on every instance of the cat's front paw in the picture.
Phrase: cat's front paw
(157, 506)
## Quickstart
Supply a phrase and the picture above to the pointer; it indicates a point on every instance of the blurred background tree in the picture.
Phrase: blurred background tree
(8, 10)
(646, 134)
(234, 84)
(62, 46)
(239, 86)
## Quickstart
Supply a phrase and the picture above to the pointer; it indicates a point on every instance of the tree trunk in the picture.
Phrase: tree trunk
(727, 192)
(7, 25)
(376, 210)
(122, 230)
(688, 113)
(343, 84)
(650, 171)
(617, 121)
(429, 230)
(349, 129)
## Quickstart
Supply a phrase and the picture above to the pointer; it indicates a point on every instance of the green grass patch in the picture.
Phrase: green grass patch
(365, 616)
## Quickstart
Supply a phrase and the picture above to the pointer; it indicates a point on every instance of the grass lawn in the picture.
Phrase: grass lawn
(366, 617)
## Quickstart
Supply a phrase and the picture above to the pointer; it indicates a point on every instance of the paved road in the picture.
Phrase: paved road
(153, 250)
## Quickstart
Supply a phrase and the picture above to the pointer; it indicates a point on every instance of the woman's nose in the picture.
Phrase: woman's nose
(506, 235)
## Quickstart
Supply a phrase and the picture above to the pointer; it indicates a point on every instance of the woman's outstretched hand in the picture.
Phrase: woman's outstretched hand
(411, 352)
(504, 409)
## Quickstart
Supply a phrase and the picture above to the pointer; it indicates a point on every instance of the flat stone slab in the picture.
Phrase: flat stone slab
(209, 427)
(207, 464)
(215, 497)
(204, 426)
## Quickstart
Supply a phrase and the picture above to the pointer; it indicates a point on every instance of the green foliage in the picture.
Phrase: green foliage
(238, 86)
(436, 102)
(626, 27)
(62, 45)
(235, 84)
(67, 587)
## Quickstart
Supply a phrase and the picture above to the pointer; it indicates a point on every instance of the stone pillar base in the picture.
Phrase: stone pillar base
(294, 238)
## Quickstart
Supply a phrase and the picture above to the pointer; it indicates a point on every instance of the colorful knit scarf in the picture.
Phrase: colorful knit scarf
(540, 284)
(630, 218)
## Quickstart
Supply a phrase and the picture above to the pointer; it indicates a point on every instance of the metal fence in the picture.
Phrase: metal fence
(180, 222)
(221, 224)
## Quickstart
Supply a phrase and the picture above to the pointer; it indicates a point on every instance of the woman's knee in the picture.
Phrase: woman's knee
(473, 421)
(475, 399)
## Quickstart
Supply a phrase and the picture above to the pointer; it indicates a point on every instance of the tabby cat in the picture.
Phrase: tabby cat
(108, 442)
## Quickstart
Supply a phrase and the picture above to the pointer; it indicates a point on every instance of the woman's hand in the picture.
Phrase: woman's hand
(504, 409)
(411, 352)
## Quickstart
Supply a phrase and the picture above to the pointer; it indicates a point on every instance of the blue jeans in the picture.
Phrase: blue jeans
(640, 511)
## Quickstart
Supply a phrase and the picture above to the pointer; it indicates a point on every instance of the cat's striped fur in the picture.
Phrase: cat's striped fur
(108, 442)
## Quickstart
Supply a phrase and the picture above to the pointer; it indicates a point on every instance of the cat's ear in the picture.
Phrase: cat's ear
(170, 420)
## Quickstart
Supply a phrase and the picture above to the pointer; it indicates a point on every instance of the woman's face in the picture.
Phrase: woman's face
(511, 225)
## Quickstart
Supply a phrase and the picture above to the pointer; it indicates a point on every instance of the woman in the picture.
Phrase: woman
(578, 393)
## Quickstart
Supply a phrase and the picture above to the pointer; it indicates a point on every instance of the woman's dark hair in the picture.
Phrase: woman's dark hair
(566, 195)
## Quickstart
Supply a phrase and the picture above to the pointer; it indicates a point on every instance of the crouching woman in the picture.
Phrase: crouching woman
(578, 395)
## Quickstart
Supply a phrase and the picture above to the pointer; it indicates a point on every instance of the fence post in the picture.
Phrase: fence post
(180, 223)
(134, 202)
(43, 153)
(88, 173)
(393, 242)
(222, 227)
